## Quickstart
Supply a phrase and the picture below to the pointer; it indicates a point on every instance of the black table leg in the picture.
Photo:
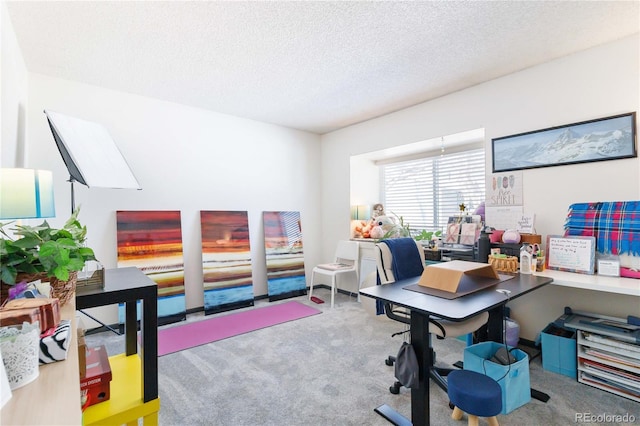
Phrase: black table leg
(495, 325)
(392, 415)
(131, 327)
(150, 345)
(420, 343)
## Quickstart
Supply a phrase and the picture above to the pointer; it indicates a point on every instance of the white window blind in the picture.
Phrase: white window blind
(426, 191)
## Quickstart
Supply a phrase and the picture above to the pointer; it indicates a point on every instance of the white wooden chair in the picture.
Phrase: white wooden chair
(345, 263)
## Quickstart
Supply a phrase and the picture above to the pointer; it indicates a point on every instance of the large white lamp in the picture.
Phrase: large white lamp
(26, 194)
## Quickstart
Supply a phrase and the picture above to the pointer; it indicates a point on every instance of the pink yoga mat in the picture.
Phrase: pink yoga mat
(198, 333)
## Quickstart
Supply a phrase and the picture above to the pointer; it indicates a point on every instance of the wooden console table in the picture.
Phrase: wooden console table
(54, 397)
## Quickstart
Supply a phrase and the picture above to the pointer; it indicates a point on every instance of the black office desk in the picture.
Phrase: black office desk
(128, 285)
(422, 306)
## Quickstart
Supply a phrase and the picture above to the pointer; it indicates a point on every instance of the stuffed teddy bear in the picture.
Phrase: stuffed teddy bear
(381, 225)
(363, 229)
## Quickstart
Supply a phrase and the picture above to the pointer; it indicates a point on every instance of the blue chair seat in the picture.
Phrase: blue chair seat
(474, 393)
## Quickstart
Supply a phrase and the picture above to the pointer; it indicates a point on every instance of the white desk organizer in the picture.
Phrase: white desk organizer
(20, 349)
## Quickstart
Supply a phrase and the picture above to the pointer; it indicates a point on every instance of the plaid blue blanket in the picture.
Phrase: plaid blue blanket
(615, 224)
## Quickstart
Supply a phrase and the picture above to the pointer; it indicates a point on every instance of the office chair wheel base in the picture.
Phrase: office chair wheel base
(451, 405)
(389, 361)
(395, 389)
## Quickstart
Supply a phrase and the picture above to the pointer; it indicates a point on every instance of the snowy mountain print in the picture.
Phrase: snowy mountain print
(577, 143)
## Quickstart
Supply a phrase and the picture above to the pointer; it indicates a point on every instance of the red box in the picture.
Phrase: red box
(95, 386)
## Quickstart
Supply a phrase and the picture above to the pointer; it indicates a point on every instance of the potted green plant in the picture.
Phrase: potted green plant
(427, 236)
(53, 253)
(399, 229)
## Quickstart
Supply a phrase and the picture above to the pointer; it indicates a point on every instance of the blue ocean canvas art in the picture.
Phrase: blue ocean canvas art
(284, 254)
(226, 260)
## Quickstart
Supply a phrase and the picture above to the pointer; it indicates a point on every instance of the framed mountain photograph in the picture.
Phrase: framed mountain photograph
(609, 138)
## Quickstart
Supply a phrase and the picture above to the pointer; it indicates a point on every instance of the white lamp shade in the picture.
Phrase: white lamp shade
(360, 212)
(26, 194)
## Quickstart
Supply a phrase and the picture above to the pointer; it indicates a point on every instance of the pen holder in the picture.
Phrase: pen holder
(20, 349)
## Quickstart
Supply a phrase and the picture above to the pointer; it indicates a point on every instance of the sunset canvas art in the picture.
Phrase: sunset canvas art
(152, 242)
(284, 255)
(226, 260)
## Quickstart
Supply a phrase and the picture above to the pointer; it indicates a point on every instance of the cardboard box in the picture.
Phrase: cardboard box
(82, 353)
(95, 386)
(82, 347)
(459, 276)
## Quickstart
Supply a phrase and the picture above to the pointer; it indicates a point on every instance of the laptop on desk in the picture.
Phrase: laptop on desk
(457, 278)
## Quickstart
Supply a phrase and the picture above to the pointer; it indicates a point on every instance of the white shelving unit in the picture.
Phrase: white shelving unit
(608, 363)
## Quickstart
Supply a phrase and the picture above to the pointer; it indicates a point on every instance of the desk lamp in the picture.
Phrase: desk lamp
(360, 212)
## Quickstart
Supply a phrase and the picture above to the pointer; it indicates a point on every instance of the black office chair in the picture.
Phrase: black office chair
(403, 258)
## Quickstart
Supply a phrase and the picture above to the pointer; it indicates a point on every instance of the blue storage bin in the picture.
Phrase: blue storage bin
(559, 350)
(513, 379)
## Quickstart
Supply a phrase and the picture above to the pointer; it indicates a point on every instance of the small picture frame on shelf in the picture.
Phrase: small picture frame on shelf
(453, 233)
(609, 267)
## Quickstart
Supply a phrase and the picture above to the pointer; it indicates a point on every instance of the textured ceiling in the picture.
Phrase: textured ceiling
(315, 66)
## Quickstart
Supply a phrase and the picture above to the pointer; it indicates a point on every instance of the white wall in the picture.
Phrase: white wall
(189, 159)
(596, 83)
(13, 95)
(185, 159)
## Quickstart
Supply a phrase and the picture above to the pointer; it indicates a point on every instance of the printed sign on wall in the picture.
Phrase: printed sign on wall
(504, 200)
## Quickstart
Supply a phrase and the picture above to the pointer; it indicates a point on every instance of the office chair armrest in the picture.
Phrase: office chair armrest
(404, 317)
(442, 329)
(400, 316)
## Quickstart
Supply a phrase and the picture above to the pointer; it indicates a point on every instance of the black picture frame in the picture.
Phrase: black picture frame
(608, 138)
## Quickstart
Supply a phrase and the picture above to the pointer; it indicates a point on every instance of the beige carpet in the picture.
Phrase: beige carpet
(329, 369)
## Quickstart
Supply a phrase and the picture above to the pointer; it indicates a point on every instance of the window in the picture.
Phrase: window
(426, 191)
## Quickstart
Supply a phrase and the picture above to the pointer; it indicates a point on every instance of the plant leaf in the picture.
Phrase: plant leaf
(8, 274)
(61, 273)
